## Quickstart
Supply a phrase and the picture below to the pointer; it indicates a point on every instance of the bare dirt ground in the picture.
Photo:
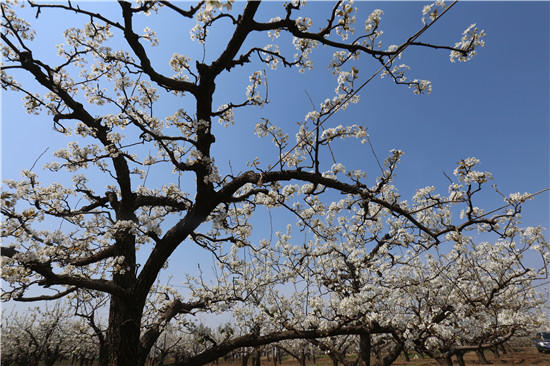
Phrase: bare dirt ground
(524, 356)
(527, 356)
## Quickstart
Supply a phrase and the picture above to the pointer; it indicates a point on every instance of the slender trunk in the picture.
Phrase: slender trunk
(303, 357)
(481, 356)
(392, 354)
(460, 358)
(244, 359)
(364, 349)
(444, 361)
(51, 356)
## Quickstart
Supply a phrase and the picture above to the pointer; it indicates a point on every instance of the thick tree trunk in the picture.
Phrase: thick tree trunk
(103, 355)
(364, 349)
(123, 347)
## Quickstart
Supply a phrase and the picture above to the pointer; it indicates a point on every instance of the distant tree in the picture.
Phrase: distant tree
(40, 335)
(90, 342)
(103, 89)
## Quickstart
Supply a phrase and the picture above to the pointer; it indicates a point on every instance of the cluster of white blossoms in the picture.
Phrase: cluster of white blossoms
(257, 79)
(304, 48)
(471, 37)
(355, 131)
(181, 65)
(151, 36)
(205, 15)
(433, 10)
(266, 128)
(373, 21)
(346, 19)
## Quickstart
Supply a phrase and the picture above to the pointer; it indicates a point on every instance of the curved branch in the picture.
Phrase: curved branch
(50, 278)
(254, 340)
(133, 41)
(186, 13)
(46, 297)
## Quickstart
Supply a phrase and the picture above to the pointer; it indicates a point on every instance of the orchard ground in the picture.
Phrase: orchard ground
(525, 356)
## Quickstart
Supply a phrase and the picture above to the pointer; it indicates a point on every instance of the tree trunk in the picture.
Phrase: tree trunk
(103, 355)
(123, 347)
(481, 356)
(364, 349)
(392, 354)
(257, 360)
(51, 356)
(445, 361)
(244, 359)
(460, 358)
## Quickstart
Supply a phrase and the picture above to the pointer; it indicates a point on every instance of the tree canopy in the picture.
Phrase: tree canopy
(302, 244)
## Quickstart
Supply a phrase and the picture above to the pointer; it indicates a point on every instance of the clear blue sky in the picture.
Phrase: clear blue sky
(495, 107)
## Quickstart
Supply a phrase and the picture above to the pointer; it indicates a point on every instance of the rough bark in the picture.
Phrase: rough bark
(123, 333)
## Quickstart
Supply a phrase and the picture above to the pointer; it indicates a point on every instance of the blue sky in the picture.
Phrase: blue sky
(495, 107)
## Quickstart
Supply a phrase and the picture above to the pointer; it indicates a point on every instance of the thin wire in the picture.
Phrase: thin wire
(509, 204)
(376, 157)
(328, 142)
